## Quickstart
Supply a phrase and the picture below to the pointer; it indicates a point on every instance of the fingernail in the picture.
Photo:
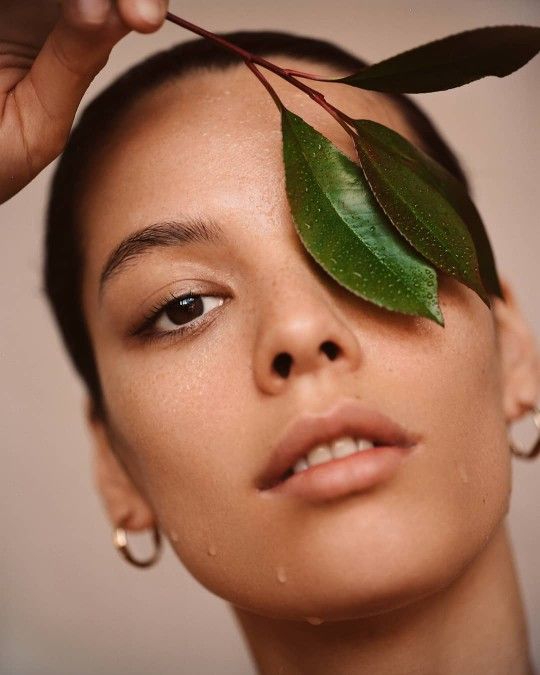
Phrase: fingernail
(150, 10)
(93, 11)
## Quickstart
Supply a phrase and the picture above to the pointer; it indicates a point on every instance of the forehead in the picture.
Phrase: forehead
(209, 144)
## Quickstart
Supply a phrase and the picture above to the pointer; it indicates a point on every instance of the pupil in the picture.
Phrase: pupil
(184, 310)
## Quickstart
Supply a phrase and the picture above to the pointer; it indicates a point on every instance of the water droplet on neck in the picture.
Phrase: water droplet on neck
(281, 575)
(314, 620)
(173, 534)
(212, 550)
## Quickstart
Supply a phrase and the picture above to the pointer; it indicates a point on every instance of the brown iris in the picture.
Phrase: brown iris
(184, 310)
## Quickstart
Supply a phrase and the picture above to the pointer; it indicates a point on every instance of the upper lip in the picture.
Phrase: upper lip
(346, 418)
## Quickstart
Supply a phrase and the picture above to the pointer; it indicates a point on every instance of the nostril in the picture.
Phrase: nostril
(282, 364)
(330, 349)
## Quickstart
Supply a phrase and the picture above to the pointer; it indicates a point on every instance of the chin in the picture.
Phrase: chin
(356, 573)
(365, 555)
(356, 594)
(368, 556)
(347, 596)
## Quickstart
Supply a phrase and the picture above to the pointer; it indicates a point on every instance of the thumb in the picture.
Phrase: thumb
(75, 51)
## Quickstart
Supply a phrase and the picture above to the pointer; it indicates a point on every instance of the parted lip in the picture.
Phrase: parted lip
(348, 417)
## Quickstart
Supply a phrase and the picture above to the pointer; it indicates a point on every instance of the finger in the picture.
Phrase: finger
(43, 104)
(144, 16)
(75, 51)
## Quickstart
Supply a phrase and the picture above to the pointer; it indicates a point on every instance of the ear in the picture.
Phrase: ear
(520, 358)
(124, 504)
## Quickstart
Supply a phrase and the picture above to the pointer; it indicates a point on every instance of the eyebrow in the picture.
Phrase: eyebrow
(159, 235)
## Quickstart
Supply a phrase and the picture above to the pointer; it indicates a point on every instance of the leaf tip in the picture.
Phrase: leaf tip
(437, 315)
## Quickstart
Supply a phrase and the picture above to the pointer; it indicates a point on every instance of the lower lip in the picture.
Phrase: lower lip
(340, 477)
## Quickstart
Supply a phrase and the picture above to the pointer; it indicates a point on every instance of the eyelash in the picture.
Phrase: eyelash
(144, 329)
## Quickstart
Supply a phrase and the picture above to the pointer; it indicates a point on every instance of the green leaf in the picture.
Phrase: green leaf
(419, 202)
(452, 61)
(344, 229)
(456, 193)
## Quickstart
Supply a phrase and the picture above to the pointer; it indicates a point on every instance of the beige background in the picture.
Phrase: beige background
(69, 605)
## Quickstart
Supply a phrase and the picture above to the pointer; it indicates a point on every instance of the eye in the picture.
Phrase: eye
(184, 310)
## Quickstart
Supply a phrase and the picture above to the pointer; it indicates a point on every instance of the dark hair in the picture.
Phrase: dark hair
(63, 249)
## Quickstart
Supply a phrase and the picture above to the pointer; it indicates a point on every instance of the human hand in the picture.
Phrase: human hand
(50, 51)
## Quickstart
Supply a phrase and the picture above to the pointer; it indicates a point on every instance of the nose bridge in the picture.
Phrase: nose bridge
(301, 332)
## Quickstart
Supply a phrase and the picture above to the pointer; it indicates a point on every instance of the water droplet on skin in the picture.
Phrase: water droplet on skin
(281, 575)
(463, 473)
(212, 550)
(314, 620)
(173, 535)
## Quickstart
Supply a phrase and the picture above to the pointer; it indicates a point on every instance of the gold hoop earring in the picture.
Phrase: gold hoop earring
(121, 544)
(518, 451)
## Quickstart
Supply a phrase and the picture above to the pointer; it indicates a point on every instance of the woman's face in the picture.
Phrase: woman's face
(195, 417)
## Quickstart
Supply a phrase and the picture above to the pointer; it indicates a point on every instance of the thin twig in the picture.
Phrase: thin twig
(289, 75)
(265, 83)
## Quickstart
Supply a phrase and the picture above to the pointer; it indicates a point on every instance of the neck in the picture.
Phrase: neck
(474, 625)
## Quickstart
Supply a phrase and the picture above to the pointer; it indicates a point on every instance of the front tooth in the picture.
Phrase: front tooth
(363, 444)
(343, 447)
(300, 465)
(319, 454)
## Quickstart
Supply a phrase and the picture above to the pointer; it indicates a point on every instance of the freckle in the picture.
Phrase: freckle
(281, 575)
(314, 620)
(212, 550)
(173, 535)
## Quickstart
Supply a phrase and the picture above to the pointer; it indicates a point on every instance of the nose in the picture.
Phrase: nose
(302, 334)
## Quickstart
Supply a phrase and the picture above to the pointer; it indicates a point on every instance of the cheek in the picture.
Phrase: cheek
(454, 491)
(179, 416)
(460, 404)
